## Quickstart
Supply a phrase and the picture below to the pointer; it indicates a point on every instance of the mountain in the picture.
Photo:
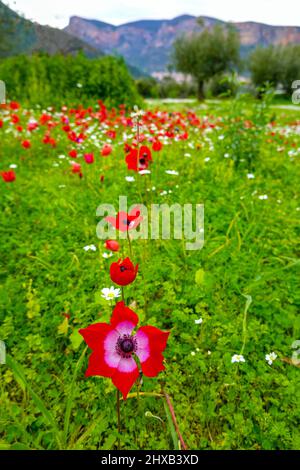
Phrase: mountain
(147, 44)
(18, 35)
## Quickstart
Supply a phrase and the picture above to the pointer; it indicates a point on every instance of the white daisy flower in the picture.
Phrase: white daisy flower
(90, 248)
(198, 322)
(130, 179)
(270, 358)
(237, 358)
(110, 293)
(107, 255)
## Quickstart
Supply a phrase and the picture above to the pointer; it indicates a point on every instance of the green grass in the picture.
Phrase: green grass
(251, 245)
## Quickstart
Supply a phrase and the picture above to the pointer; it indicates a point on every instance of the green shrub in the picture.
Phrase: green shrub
(41, 79)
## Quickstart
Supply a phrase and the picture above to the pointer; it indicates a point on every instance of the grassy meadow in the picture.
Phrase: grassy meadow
(240, 159)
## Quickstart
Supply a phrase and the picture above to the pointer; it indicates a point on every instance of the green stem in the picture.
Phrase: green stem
(118, 417)
(129, 243)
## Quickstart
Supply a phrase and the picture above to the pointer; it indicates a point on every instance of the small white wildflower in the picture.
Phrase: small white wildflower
(13, 166)
(145, 172)
(130, 179)
(263, 197)
(61, 157)
(187, 155)
(193, 353)
(250, 176)
(237, 358)
(164, 193)
(221, 137)
(107, 255)
(198, 322)
(90, 248)
(270, 358)
(79, 85)
(207, 159)
(226, 155)
(110, 293)
(172, 172)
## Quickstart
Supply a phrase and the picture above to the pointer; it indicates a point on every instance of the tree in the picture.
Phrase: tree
(265, 66)
(275, 65)
(206, 54)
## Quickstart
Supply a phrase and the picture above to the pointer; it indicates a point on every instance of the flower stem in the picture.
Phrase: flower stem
(123, 296)
(118, 417)
(172, 412)
(129, 243)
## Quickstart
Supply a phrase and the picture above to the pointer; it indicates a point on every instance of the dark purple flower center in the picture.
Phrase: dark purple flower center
(142, 161)
(126, 345)
(122, 269)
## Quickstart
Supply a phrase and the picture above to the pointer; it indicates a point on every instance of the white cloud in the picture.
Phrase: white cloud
(57, 12)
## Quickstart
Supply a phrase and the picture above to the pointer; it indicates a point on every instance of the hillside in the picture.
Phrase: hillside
(18, 35)
(147, 44)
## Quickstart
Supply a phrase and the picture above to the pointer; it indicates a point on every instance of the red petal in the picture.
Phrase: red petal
(153, 365)
(124, 381)
(157, 344)
(95, 334)
(122, 313)
(97, 365)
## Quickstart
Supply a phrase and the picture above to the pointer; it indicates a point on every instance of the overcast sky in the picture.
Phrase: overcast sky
(57, 12)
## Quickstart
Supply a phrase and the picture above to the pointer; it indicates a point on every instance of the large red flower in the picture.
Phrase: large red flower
(114, 347)
(125, 222)
(8, 176)
(138, 160)
(123, 272)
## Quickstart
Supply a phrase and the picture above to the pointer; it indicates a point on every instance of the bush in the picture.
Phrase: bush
(222, 85)
(147, 87)
(41, 79)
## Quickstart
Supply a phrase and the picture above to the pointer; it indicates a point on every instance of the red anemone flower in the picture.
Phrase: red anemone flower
(8, 176)
(114, 346)
(123, 272)
(26, 144)
(112, 245)
(138, 160)
(125, 222)
(106, 150)
(89, 158)
(73, 153)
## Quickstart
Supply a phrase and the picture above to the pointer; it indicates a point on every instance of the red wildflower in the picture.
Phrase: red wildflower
(8, 176)
(114, 346)
(124, 221)
(157, 146)
(89, 158)
(112, 245)
(26, 144)
(106, 150)
(138, 160)
(123, 272)
(76, 168)
(73, 153)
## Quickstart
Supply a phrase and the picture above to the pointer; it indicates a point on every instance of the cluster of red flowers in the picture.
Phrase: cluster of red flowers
(78, 130)
(115, 345)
